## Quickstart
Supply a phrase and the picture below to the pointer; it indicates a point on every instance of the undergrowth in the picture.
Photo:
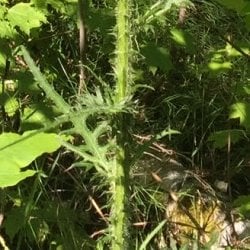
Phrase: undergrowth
(164, 91)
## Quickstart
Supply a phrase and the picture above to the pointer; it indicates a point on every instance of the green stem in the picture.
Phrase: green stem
(122, 49)
(120, 180)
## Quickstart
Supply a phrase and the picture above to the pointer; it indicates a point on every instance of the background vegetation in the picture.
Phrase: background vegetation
(101, 100)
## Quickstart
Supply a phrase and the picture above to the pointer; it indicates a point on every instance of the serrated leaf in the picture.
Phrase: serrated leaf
(26, 17)
(241, 110)
(6, 30)
(3, 10)
(57, 5)
(18, 151)
(157, 56)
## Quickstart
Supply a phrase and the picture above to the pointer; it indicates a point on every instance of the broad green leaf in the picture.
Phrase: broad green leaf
(241, 110)
(26, 17)
(11, 175)
(18, 151)
(157, 56)
(220, 138)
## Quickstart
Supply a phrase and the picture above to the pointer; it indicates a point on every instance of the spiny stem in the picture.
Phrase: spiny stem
(120, 180)
(122, 49)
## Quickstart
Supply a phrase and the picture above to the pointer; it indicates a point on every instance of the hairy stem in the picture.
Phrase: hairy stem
(120, 180)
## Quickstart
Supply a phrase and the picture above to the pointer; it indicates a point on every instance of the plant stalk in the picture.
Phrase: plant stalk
(120, 180)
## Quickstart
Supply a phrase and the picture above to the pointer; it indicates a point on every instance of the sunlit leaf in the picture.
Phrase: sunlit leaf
(219, 67)
(26, 17)
(178, 36)
(231, 51)
(241, 110)
(6, 30)
(18, 151)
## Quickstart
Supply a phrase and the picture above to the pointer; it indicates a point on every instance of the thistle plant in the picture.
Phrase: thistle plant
(113, 167)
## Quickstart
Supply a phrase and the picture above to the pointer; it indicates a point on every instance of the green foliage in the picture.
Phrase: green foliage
(11, 106)
(241, 6)
(157, 57)
(159, 9)
(37, 116)
(221, 139)
(241, 110)
(196, 74)
(18, 151)
(242, 204)
(25, 17)
(183, 39)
